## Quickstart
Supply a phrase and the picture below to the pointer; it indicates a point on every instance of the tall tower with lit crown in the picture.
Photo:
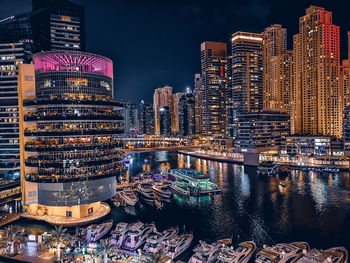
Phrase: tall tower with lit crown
(317, 100)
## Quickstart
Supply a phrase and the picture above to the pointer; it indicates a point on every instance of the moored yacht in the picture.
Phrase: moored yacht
(281, 253)
(155, 239)
(180, 188)
(205, 253)
(267, 168)
(177, 245)
(162, 190)
(99, 231)
(333, 255)
(241, 254)
(129, 197)
(118, 233)
(136, 235)
(146, 192)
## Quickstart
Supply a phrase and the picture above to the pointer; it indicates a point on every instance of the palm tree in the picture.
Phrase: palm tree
(58, 236)
(12, 234)
(106, 247)
(155, 258)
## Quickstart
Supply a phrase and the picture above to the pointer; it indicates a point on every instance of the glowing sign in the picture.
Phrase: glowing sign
(77, 82)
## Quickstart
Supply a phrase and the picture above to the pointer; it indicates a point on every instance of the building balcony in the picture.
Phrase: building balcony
(75, 163)
(63, 117)
(72, 101)
(72, 132)
(71, 147)
(60, 178)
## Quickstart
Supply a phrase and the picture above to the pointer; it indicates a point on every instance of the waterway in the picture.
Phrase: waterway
(310, 206)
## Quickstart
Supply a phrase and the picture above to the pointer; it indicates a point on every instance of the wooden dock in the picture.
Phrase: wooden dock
(9, 220)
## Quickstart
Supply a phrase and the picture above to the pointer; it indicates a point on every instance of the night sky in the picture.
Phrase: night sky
(154, 43)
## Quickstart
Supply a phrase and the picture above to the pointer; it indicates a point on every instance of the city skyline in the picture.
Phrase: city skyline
(168, 68)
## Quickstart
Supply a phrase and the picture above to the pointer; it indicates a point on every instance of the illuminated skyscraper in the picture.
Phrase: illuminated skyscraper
(163, 97)
(164, 120)
(214, 73)
(246, 86)
(317, 100)
(345, 81)
(176, 102)
(131, 118)
(198, 102)
(276, 68)
(146, 118)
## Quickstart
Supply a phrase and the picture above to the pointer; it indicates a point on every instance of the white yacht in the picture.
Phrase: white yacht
(162, 190)
(180, 188)
(100, 230)
(333, 255)
(146, 192)
(136, 235)
(281, 253)
(205, 253)
(129, 197)
(241, 254)
(177, 245)
(267, 168)
(155, 239)
(118, 233)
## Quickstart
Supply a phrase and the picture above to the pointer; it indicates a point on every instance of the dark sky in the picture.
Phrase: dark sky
(154, 43)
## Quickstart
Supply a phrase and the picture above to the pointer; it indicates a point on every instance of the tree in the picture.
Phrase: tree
(58, 236)
(106, 247)
(155, 258)
(12, 234)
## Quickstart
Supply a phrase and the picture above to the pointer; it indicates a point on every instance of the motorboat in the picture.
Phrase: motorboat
(118, 233)
(333, 255)
(156, 240)
(146, 192)
(281, 253)
(241, 254)
(136, 235)
(197, 182)
(267, 168)
(205, 253)
(97, 231)
(162, 190)
(180, 188)
(128, 196)
(177, 245)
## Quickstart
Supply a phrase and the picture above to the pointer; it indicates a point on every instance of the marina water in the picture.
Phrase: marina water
(307, 206)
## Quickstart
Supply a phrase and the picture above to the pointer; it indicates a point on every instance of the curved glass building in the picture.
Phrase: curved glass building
(70, 122)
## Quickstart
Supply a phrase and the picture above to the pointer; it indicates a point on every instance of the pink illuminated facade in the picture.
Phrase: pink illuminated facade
(73, 62)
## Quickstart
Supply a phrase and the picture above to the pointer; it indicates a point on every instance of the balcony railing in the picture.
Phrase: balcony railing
(69, 101)
(70, 147)
(62, 132)
(62, 116)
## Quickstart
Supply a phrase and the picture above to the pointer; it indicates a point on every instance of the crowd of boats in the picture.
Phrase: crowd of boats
(145, 238)
(153, 188)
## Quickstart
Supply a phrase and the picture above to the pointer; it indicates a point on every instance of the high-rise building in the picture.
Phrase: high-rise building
(62, 25)
(146, 118)
(16, 46)
(276, 68)
(163, 97)
(317, 100)
(246, 85)
(164, 120)
(176, 102)
(53, 24)
(213, 95)
(198, 102)
(186, 109)
(68, 119)
(346, 130)
(345, 81)
(131, 118)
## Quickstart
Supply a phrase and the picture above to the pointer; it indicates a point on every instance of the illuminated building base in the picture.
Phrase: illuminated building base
(67, 215)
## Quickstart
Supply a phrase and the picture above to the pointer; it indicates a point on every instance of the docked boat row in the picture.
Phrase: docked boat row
(296, 252)
(146, 237)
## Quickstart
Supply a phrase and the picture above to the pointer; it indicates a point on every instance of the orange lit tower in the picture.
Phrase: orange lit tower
(317, 100)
